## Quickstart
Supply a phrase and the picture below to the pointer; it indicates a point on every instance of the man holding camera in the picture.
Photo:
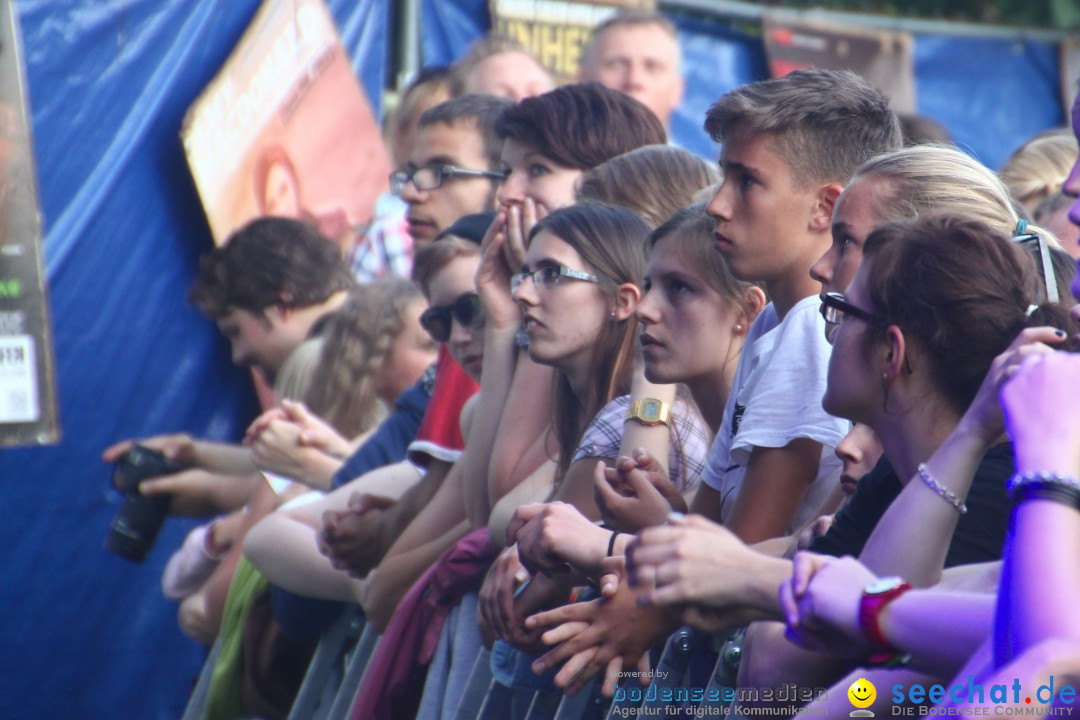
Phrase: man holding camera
(267, 288)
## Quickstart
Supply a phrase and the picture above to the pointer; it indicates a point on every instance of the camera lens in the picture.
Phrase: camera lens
(134, 529)
(136, 525)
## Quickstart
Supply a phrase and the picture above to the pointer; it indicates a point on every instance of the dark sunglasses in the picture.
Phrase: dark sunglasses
(467, 310)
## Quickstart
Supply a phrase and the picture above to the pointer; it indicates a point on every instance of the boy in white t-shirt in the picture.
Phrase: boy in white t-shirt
(789, 147)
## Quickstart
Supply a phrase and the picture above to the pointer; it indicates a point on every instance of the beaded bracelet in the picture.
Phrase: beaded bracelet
(1058, 487)
(943, 492)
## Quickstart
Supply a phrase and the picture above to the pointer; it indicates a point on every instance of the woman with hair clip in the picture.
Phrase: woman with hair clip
(915, 180)
(1034, 639)
(926, 178)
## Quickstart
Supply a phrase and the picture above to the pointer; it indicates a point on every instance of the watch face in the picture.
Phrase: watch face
(883, 585)
(650, 410)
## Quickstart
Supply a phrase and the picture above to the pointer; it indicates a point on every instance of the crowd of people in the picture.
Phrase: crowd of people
(815, 403)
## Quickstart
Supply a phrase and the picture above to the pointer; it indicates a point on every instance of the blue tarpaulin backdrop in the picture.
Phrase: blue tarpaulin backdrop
(86, 635)
(992, 94)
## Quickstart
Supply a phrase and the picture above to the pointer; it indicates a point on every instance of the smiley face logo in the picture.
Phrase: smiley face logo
(862, 693)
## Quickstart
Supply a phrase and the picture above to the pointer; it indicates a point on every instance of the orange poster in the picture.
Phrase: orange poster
(285, 129)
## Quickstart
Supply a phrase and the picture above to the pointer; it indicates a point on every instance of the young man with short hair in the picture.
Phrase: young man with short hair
(267, 288)
(453, 164)
(790, 145)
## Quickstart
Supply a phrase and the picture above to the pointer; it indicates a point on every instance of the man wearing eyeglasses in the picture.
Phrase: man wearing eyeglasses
(452, 169)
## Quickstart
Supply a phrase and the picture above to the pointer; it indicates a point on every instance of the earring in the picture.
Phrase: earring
(612, 317)
(738, 327)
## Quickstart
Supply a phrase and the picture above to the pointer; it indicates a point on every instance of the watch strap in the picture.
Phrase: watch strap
(870, 607)
(649, 411)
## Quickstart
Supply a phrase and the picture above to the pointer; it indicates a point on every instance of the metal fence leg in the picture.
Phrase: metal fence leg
(475, 693)
(354, 672)
(196, 706)
(544, 705)
(324, 672)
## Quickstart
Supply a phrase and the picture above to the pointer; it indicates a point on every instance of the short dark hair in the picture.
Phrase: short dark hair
(824, 123)
(483, 111)
(581, 125)
(269, 262)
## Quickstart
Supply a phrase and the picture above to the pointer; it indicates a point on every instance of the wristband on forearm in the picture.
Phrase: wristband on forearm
(611, 542)
(1058, 487)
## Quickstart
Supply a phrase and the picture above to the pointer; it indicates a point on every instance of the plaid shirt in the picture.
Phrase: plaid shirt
(687, 452)
(384, 247)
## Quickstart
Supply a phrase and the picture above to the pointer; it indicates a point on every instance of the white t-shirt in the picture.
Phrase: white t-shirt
(776, 398)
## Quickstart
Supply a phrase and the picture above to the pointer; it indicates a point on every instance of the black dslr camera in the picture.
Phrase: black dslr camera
(136, 525)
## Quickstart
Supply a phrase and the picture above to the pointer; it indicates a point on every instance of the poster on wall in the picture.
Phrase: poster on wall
(27, 373)
(286, 129)
(557, 31)
(882, 57)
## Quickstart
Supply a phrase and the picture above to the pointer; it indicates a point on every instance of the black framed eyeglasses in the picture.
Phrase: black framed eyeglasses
(467, 310)
(432, 177)
(1037, 245)
(834, 307)
(550, 275)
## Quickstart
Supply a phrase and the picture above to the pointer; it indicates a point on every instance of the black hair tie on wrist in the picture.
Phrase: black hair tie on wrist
(611, 542)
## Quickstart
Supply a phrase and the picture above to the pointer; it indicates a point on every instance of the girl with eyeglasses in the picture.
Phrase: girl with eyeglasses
(1032, 635)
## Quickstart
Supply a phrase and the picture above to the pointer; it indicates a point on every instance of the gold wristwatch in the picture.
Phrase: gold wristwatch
(649, 411)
